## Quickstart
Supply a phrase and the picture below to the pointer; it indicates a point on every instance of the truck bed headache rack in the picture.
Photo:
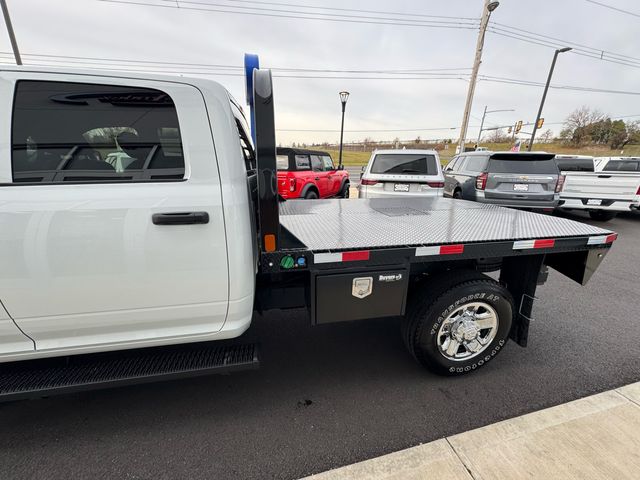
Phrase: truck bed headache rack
(87, 372)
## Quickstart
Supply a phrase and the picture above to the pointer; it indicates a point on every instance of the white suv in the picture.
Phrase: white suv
(402, 172)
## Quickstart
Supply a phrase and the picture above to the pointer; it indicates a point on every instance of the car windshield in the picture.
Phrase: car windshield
(405, 164)
(622, 166)
(523, 166)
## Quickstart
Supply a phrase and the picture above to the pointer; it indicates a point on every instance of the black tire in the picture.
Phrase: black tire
(344, 192)
(457, 194)
(311, 195)
(445, 295)
(602, 215)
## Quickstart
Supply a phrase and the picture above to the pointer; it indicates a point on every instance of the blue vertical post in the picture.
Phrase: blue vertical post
(251, 63)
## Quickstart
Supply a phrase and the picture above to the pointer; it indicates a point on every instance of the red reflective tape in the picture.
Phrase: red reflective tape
(611, 238)
(355, 256)
(451, 249)
(548, 243)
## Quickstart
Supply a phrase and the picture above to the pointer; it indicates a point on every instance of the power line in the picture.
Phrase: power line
(577, 46)
(627, 12)
(308, 15)
(412, 14)
(602, 55)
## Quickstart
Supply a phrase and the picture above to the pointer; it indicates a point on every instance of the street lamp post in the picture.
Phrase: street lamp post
(343, 100)
(544, 94)
(484, 21)
(484, 115)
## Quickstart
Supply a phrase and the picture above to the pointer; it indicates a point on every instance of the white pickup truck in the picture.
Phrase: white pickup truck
(117, 275)
(602, 193)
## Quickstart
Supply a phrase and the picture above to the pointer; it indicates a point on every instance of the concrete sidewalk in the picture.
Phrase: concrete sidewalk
(596, 437)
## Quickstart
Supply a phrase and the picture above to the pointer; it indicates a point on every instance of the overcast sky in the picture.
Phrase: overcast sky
(92, 28)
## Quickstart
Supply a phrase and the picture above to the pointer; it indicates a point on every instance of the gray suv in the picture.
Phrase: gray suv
(511, 179)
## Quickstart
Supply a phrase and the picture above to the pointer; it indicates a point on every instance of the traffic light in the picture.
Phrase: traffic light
(510, 128)
(518, 126)
(540, 123)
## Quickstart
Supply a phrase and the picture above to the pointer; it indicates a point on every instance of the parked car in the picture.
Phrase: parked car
(310, 174)
(511, 179)
(402, 172)
(603, 194)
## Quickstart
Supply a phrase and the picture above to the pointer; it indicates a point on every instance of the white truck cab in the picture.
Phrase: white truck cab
(96, 259)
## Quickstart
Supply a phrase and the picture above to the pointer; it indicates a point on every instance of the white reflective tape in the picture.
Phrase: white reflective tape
(424, 251)
(597, 240)
(522, 244)
(327, 257)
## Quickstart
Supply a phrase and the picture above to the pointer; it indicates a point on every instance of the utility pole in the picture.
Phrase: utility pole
(12, 36)
(484, 21)
(544, 94)
(485, 114)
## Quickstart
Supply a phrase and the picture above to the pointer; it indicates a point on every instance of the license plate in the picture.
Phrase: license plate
(594, 201)
(401, 187)
(520, 187)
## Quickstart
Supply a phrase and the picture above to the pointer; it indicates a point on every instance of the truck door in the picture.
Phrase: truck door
(321, 177)
(111, 212)
(333, 179)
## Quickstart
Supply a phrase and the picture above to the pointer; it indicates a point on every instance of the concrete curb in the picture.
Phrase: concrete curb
(596, 437)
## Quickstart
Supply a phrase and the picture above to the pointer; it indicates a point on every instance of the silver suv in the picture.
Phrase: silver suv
(511, 179)
(392, 173)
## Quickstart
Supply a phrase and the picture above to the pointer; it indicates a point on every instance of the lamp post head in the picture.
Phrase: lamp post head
(492, 6)
(565, 49)
(343, 97)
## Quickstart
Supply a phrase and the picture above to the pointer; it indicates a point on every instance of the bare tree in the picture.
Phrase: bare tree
(498, 136)
(547, 136)
(577, 124)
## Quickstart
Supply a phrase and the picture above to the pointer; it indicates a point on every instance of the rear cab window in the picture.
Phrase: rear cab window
(575, 164)
(77, 132)
(404, 164)
(622, 166)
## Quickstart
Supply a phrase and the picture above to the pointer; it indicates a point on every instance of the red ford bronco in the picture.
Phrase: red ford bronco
(310, 174)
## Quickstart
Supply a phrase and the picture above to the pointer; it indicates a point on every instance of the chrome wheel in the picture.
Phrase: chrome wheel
(467, 331)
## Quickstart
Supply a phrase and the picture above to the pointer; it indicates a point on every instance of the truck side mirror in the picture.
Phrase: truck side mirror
(340, 167)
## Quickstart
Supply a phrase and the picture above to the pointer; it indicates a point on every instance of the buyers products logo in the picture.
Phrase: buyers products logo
(395, 277)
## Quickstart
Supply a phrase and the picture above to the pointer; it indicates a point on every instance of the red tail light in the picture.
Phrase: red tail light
(292, 184)
(638, 191)
(436, 184)
(481, 181)
(560, 184)
(366, 181)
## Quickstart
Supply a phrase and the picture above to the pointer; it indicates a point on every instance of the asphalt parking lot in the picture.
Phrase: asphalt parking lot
(333, 395)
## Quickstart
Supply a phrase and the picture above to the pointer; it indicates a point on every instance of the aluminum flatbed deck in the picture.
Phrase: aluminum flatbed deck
(336, 225)
(322, 234)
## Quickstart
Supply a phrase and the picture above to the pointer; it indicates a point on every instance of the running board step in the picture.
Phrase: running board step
(38, 378)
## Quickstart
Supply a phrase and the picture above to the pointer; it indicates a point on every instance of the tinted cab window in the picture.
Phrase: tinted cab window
(622, 166)
(74, 132)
